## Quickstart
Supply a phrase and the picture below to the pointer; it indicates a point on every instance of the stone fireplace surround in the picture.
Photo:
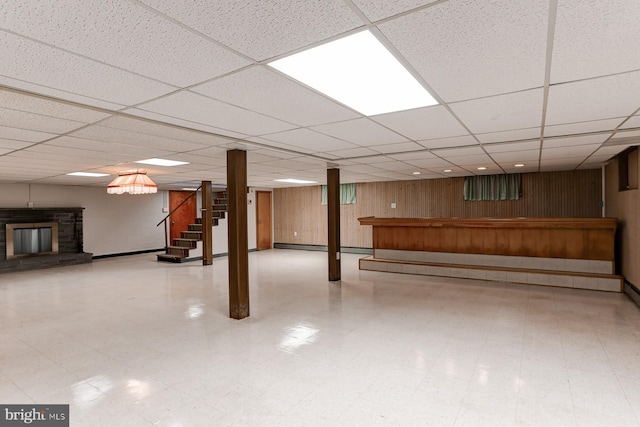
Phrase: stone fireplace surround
(70, 238)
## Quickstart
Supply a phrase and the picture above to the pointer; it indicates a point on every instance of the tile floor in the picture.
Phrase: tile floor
(131, 342)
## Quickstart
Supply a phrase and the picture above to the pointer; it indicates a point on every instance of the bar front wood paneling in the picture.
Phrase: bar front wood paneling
(571, 238)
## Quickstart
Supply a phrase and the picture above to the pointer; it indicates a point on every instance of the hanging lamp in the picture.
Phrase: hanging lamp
(133, 181)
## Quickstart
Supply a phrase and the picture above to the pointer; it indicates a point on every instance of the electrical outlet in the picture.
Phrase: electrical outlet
(295, 233)
(30, 204)
(393, 205)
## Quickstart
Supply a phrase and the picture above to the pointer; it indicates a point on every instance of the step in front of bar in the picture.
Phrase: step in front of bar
(564, 279)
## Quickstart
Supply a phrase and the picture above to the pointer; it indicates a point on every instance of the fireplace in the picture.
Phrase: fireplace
(31, 239)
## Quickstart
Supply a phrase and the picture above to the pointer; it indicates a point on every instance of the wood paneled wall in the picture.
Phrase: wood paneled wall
(572, 194)
(625, 206)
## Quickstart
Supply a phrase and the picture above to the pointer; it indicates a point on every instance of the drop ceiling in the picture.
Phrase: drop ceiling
(93, 87)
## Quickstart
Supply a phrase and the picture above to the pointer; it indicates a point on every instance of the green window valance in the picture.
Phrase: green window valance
(492, 187)
(347, 194)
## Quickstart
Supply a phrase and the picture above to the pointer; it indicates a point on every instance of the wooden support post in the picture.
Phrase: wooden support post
(333, 207)
(207, 223)
(237, 230)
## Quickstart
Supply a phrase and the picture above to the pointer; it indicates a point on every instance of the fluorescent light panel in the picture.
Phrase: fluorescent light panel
(162, 162)
(296, 181)
(359, 72)
(88, 174)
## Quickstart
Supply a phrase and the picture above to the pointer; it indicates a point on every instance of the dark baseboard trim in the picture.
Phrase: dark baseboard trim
(227, 253)
(632, 291)
(146, 251)
(321, 248)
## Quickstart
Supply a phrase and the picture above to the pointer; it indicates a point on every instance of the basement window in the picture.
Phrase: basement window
(492, 187)
(628, 169)
(347, 194)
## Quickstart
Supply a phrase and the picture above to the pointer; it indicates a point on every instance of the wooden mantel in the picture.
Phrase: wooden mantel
(570, 238)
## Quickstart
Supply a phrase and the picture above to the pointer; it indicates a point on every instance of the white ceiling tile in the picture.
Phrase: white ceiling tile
(633, 122)
(379, 9)
(76, 153)
(353, 152)
(626, 134)
(139, 152)
(308, 139)
(360, 169)
(595, 99)
(256, 28)
(595, 38)
(511, 147)
(398, 148)
(512, 158)
(474, 160)
(610, 151)
(121, 136)
(189, 124)
(392, 166)
(42, 89)
(568, 152)
(23, 134)
(11, 144)
(510, 135)
(362, 132)
(582, 127)
(435, 163)
(518, 110)
(464, 151)
(423, 123)
(469, 49)
(266, 144)
(123, 34)
(265, 91)
(369, 160)
(47, 107)
(197, 159)
(573, 141)
(456, 141)
(135, 124)
(37, 122)
(31, 62)
(195, 107)
(265, 155)
(413, 155)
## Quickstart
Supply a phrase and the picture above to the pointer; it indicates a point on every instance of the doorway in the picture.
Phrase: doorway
(180, 219)
(264, 239)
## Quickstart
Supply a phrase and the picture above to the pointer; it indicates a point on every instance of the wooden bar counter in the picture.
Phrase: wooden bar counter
(568, 238)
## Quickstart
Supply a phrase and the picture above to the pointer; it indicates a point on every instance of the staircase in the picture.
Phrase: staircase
(188, 240)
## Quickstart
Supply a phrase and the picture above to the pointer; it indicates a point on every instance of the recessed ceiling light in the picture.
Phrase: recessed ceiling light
(416, 173)
(89, 174)
(359, 72)
(482, 168)
(519, 165)
(447, 170)
(162, 162)
(296, 181)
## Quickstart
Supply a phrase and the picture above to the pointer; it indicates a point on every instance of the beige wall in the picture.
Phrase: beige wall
(624, 206)
(301, 219)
